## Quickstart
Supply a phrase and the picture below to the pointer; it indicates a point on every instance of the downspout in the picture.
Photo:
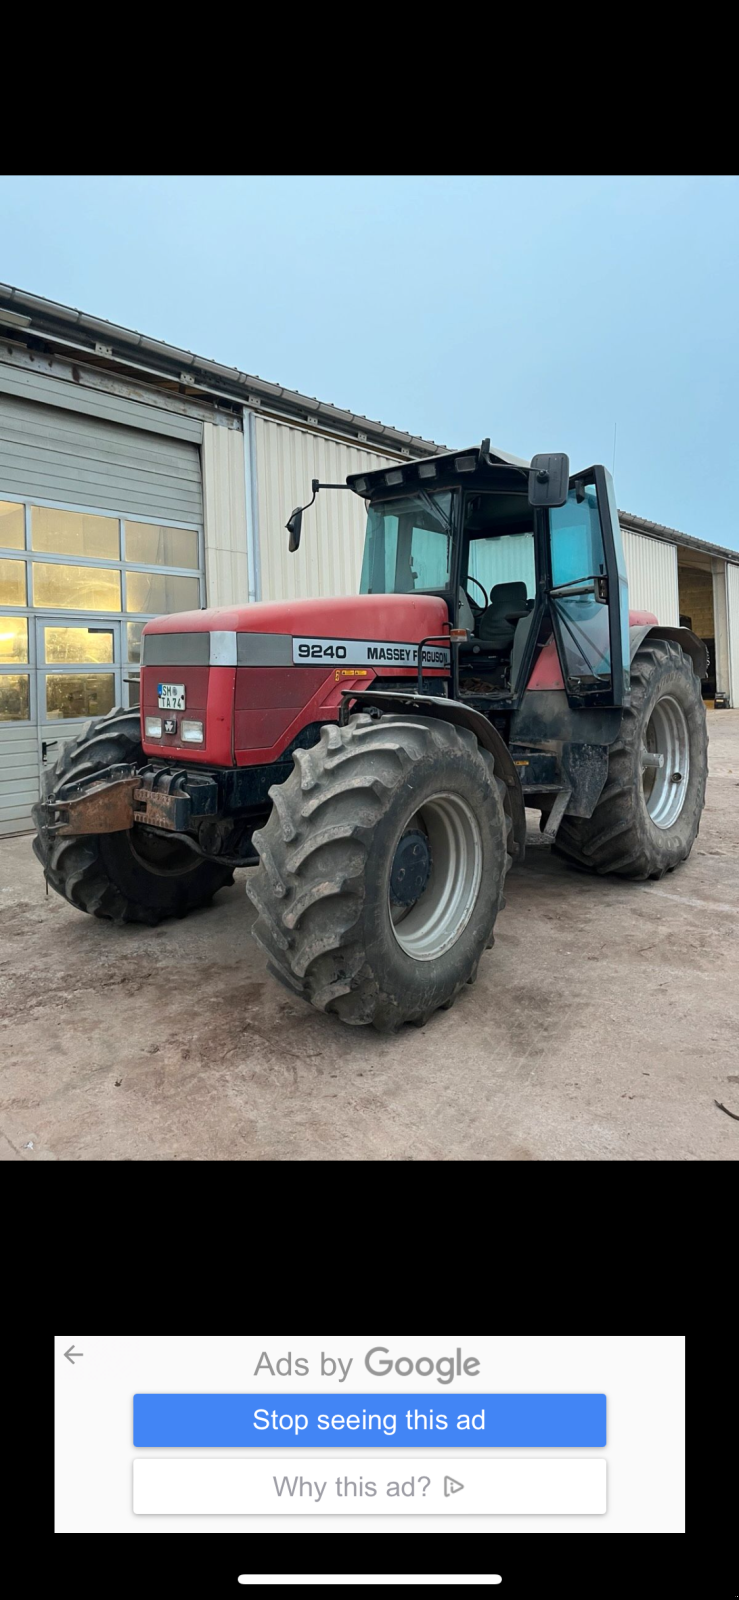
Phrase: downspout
(252, 506)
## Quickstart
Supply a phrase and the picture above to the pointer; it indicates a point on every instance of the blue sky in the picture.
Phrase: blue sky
(540, 311)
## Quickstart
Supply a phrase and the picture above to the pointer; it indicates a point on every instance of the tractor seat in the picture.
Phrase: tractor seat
(493, 627)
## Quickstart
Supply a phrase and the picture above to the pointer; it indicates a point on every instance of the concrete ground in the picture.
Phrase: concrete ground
(603, 1026)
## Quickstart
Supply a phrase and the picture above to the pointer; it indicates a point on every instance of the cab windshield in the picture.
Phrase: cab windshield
(408, 546)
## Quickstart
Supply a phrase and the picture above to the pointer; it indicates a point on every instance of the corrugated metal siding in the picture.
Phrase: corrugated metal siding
(224, 488)
(507, 560)
(330, 556)
(732, 596)
(651, 566)
(82, 460)
(720, 625)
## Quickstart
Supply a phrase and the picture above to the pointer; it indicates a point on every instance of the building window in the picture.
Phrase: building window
(13, 639)
(152, 546)
(157, 592)
(76, 588)
(78, 644)
(75, 533)
(12, 529)
(78, 561)
(14, 697)
(87, 694)
(12, 583)
(134, 631)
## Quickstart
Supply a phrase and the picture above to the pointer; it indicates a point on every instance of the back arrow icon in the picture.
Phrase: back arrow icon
(72, 1354)
(451, 1487)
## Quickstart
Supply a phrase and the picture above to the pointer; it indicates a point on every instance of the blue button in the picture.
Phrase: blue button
(430, 1420)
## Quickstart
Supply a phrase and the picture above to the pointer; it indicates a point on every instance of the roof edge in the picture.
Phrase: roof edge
(659, 530)
(202, 372)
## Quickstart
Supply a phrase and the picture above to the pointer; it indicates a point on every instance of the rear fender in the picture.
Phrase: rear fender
(462, 716)
(691, 644)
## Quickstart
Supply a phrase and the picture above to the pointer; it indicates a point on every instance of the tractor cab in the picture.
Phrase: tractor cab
(488, 583)
(524, 558)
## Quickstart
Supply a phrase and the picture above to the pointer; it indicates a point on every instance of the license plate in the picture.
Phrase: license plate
(171, 696)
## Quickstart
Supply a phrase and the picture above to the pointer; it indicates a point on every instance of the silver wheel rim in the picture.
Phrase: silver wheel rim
(428, 928)
(665, 762)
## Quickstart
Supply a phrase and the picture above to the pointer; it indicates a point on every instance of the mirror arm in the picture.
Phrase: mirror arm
(296, 516)
(315, 486)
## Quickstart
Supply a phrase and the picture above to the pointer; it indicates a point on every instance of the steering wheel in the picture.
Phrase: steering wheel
(474, 603)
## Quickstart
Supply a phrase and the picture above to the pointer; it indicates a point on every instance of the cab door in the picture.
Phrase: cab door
(588, 592)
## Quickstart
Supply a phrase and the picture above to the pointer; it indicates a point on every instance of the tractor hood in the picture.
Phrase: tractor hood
(256, 677)
(386, 617)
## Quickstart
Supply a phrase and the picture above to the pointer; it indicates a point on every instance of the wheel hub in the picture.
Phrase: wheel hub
(665, 762)
(448, 866)
(411, 869)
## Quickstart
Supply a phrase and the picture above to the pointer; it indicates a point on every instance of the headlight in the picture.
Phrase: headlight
(153, 727)
(191, 732)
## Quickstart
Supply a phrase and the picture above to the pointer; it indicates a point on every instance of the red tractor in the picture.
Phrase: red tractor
(375, 755)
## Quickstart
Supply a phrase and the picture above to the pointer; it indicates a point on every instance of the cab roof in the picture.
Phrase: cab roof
(448, 465)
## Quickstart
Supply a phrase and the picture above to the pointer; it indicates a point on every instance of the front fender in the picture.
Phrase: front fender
(691, 644)
(426, 705)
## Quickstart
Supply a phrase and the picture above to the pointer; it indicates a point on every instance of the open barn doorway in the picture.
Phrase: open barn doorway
(696, 591)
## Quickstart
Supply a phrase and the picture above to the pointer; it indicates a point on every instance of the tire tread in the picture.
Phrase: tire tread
(316, 844)
(73, 864)
(616, 838)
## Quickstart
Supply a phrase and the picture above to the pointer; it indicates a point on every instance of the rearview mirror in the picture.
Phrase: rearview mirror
(549, 480)
(293, 528)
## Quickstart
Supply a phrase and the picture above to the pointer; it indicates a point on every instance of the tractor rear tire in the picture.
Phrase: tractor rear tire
(647, 817)
(330, 854)
(125, 877)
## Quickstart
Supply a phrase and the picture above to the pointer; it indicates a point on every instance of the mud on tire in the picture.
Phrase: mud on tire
(621, 836)
(322, 888)
(106, 874)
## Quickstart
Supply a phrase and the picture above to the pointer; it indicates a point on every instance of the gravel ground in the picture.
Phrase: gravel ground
(603, 1026)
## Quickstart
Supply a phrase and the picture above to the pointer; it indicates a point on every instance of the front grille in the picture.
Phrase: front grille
(175, 649)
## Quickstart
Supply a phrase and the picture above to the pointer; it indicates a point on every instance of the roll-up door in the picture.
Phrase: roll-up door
(63, 456)
(100, 528)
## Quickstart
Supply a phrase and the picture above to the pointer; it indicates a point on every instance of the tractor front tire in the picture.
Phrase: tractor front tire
(125, 877)
(648, 814)
(382, 868)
